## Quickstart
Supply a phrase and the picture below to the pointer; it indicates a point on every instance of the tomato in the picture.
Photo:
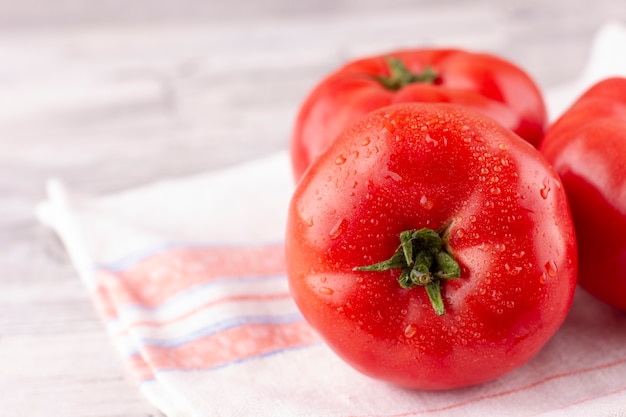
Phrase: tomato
(483, 82)
(587, 147)
(435, 196)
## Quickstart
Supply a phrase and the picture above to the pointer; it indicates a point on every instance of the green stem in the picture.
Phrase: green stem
(424, 260)
(400, 76)
(433, 289)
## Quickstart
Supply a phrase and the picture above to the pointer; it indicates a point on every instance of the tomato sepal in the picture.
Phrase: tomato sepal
(424, 260)
(400, 76)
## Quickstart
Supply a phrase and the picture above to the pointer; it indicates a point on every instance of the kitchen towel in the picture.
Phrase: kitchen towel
(188, 275)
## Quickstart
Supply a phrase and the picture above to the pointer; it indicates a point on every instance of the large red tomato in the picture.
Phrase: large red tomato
(483, 82)
(587, 146)
(431, 247)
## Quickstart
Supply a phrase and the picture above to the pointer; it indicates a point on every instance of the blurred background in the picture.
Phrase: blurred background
(189, 85)
(114, 94)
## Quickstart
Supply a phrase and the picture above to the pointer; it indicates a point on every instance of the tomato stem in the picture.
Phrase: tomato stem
(424, 261)
(400, 76)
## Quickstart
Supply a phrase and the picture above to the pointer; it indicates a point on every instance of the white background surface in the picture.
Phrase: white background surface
(114, 94)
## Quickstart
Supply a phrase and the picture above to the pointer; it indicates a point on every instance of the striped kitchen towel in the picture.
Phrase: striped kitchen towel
(189, 278)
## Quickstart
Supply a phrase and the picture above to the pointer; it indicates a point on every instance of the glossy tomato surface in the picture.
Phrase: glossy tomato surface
(482, 82)
(587, 146)
(500, 211)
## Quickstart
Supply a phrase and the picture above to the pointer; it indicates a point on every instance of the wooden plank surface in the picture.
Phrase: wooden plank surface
(111, 95)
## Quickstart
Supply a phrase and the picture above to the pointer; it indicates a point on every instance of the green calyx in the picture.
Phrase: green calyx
(424, 260)
(400, 76)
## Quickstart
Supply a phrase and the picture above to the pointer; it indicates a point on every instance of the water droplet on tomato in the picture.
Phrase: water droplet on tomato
(431, 140)
(426, 202)
(378, 317)
(338, 229)
(326, 291)
(390, 127)
(502, 147)
(513, 270)
(551, 268)
(394, 176)
(545, 189)
(460, 232)
(495, 190)
(472, 218)
(366, 141)
(309, 222)
(409, 331)
(340, 160)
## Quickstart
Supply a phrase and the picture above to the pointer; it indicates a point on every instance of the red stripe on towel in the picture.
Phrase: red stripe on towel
(231, 346)
(151, 281)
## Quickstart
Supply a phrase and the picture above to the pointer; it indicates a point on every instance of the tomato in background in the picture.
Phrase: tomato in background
(587, 147)
(483, 82)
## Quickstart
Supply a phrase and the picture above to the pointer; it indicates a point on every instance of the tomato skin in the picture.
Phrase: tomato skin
(483, 82)
(587, 147)
(415, 165)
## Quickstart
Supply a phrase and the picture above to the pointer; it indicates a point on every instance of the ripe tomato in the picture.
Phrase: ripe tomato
(441, 197)
(483, 82)
(587, 147)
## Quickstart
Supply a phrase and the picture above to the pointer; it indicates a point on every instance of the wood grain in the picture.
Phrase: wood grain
(111, 95)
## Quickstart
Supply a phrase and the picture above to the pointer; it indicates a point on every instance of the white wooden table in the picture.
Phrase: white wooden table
(111, 95)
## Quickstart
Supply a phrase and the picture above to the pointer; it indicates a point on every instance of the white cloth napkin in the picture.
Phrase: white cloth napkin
(188, 276)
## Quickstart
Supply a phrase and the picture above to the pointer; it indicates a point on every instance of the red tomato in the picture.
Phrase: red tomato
(587, 147)
(485, 83)
(455, 203)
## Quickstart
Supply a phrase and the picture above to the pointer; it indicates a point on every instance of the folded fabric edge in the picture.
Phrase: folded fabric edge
(55, 212)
